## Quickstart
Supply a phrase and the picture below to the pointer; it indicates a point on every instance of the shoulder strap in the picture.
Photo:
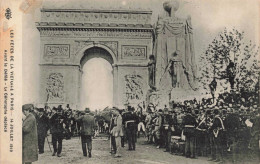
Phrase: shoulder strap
(221, 121)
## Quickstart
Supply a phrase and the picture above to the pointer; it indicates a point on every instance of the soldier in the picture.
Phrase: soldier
(87, 131)
(189, 123)
(42, 128)
(131, 125)
(141, 126)
(167, 124)
(201, 134)
(57, 122)
(217, 130)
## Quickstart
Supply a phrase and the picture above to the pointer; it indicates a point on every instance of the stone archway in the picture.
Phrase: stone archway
(127, 36)
(91, 52)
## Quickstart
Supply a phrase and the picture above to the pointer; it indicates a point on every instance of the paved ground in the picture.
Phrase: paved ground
(147, 154)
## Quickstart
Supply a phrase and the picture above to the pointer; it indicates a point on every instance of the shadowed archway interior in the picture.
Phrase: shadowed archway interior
(96, 52)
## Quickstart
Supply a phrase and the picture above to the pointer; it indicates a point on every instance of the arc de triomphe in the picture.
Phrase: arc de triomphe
(71, 37)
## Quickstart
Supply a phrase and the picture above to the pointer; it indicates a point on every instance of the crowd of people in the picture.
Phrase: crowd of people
(226, 129)
(221, 130)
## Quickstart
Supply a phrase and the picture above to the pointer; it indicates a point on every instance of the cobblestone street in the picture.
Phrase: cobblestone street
(148, 154)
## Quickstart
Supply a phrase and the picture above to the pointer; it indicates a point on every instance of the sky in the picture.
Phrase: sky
(208, 17)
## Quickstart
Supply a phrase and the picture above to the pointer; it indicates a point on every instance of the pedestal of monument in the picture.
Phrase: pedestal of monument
(181, 94)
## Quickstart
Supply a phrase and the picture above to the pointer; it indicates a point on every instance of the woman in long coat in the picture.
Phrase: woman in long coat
(30, 139)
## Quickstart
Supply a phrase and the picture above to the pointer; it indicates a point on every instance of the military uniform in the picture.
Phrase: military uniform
(189, 123)
(57, 130)
(201, 135)
(130, 122)
(217, 130)
(167, 132)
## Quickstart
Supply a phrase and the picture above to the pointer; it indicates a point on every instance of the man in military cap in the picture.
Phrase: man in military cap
(130, 122)
(30, 146)
(42, 128)
(57, 130)
(87, 131)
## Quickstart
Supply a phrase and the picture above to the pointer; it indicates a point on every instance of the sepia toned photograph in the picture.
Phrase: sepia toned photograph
(135, 81)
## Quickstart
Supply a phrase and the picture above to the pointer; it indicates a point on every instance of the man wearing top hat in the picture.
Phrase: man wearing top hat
(57, 130)
(87, 131)
(30, 146)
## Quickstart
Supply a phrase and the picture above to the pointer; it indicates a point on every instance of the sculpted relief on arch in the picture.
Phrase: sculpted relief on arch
(55, 87)
(134, 88)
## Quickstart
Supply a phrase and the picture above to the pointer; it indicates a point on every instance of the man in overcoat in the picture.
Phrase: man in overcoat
(30, 140)
(117, 131)
(87, 131)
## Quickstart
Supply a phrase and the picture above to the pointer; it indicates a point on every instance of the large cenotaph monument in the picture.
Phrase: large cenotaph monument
(175, 68)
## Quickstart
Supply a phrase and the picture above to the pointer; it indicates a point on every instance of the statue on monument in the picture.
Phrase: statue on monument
(174, 51)
(175, 69)
(151, 70)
